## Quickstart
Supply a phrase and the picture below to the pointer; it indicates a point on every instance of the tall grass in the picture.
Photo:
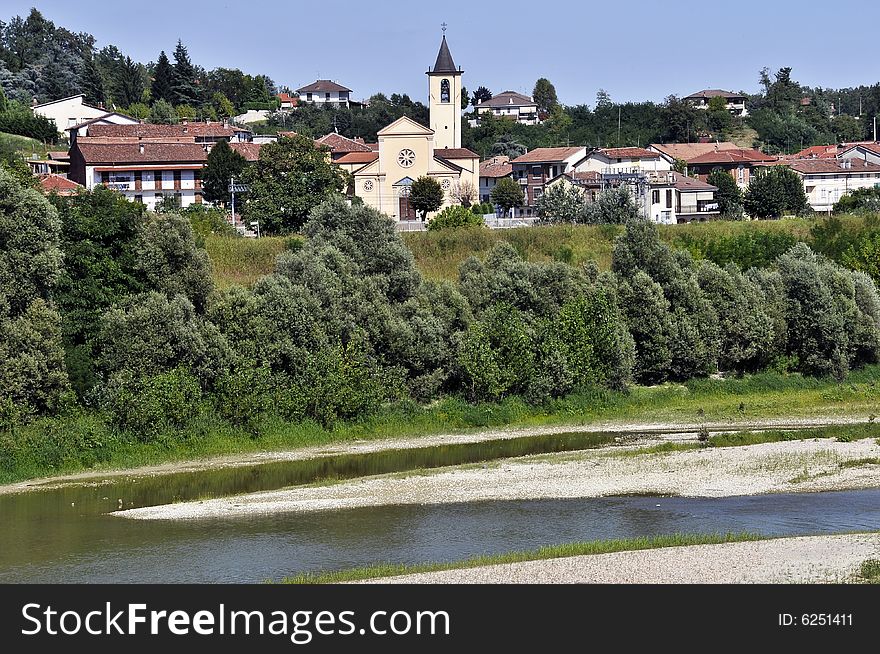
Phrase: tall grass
(26, 145)
(242, 261)
(549, 552)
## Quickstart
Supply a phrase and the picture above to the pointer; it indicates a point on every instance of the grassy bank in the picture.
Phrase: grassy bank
(86, 442)
(550, 552)
(439, 254)
(27, 146)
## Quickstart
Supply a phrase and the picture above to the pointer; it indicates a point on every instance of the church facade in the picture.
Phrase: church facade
(408, 150)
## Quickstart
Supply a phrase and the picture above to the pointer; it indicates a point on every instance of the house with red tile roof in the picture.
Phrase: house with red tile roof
(738, 163)
(868, 151)
(828, 180)
(511, 105)
(685, 151)
(288, 101)
(624, 160)
(325, 91)
(59, 184)
(735, 102)
(534, 169)
(491, 171)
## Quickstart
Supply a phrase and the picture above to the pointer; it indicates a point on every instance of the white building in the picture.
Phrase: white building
(325, 91)
(624, 160)
(675, 198)
(734, 102)
(72, 111)
(869, 152)
(509, 104)
(827, 180)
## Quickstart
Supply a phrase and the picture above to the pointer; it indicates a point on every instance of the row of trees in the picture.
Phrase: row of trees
(114, 310)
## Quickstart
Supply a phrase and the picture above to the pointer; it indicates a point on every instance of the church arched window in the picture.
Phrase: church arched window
(444, 90)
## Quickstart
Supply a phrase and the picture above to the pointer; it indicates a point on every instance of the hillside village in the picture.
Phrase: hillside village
(669, 182)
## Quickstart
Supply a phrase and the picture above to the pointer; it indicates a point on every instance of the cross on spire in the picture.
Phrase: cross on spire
(443, 27)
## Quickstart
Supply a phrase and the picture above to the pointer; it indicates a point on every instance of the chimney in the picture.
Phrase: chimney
(141, 147)
(184, 122)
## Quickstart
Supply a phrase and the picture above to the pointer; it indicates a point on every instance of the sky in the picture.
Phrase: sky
(636, 50)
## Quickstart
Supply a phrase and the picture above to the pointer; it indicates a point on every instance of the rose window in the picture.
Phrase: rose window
(406, 158)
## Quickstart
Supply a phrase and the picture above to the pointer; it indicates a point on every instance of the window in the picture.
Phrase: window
(327, 97)
(655, 197)
(157, 176)
(668, 198)
(741, 175)
(105, 178)
(444, 90)
(343, 97)
(139, 198)
(538, 194)
(308, 97)
(138, 176)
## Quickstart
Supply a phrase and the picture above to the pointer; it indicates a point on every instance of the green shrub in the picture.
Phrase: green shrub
(453, 217)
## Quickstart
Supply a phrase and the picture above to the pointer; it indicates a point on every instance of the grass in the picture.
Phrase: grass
(439, 254)
(843, 433)
(84, 442)
(869, 572)
(242, 261)
(27, 146)
(550, 552)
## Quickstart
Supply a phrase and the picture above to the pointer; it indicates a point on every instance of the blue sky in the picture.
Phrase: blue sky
(636, 50)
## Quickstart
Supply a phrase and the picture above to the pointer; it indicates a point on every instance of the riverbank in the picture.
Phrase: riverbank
(65, 446)
(810, 559)
(818, 464)
(643, 433)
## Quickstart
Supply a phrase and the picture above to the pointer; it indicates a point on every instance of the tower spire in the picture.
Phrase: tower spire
(444, 63)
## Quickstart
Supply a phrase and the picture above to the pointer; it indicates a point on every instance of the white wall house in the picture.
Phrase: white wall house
(325, 91)
(68, 112)
(145, 170)
(869, 152)
(674, 198)
(734, 102)
(509, 104)
(109, 118)
(827, 180)
(624, 161)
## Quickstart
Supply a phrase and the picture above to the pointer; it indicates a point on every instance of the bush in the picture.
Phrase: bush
(153, 405)
(454, 217)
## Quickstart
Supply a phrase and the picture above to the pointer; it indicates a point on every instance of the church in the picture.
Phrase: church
(408, 150)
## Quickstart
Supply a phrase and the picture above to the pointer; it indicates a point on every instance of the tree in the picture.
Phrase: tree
(728, 195)
(92, 84)
(507, 146)
(163, 80)
(544, 95)
(162, 113)
(222, 105)
(465, 100)
(647, 315)
(128, 83)
(290, 178)
(678, 120)
(464, 192)
(184, 86)
(561, 203)
(32, 374)
(718, 115)
(603, 99)
(223, 164)
(775, 191)
(170, 261)
(847, 128)
(507, 194)
(482, 94)
(425, 195)
(614, 206)
(4, 103)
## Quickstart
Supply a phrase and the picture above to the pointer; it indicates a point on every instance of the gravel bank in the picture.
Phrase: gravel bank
(812, 559)
(810, 465)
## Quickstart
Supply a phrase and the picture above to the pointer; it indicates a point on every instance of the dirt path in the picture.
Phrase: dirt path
(665, 430)
(812, 559)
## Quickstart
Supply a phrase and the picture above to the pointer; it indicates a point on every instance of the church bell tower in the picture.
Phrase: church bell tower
(444, 88)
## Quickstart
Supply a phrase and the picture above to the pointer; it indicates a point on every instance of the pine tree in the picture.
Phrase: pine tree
(163, 79)
(184, 88)
(128, 83)
(92, 84)
(223, 164)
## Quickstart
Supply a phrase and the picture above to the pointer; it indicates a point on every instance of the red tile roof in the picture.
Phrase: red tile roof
(58, 184)
(714, 93)
(833, 166)
(250, 151)
(115, 151)
(869, 146)
(741, 155)
(338, 143)
(547, 155)
(629, 153)
(322, 86)
(286, 98)
(58, 155)
(357, 158)
(687, 151)
(496, 167)
(817, 152)
(455, 153)
(509, 99)
(145, 130)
